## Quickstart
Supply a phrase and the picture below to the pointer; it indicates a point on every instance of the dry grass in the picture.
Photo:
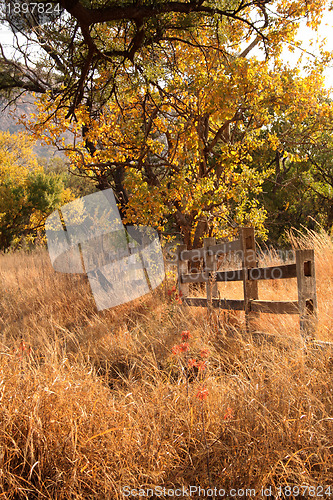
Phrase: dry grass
(100, 402)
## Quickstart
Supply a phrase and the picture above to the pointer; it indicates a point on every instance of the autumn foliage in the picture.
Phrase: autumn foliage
(180, 135)
(27, 193)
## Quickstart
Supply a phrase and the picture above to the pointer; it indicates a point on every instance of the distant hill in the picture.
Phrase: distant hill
(24, 104)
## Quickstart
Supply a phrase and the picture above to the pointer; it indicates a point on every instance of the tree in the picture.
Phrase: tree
(320, 168)
(78, 185)
(298, 149)
(27, 194)
(177, 145)
(165, 95)
(92, 36)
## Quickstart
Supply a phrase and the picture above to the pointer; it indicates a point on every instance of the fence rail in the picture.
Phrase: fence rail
(255, 273)
(303, 269)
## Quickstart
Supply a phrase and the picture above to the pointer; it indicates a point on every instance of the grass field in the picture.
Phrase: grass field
(92, 403)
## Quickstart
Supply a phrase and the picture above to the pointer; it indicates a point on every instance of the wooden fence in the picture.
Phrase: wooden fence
(303, 269)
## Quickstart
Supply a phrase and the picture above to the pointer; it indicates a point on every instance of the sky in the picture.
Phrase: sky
(310, 42)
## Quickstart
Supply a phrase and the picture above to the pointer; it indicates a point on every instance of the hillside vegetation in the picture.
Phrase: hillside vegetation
(154, 394)
(11, 112)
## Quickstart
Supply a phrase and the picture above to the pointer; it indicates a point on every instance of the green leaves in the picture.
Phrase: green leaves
(44, 191)
(27, 193)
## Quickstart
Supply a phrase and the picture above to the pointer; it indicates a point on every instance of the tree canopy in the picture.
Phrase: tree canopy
(27, 193)
(168, 105)
(177, 140)
(123, 36)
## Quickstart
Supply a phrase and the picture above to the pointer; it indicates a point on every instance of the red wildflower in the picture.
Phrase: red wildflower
(176, 350)
(202, 393)
(22, 349)
(192, 363)
(184, 346)
(204, 353)
(185, 335)
(228, 414)
(172, 291)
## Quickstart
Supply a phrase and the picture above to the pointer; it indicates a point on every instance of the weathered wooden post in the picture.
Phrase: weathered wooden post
(307, 296)
(210, 269)
(182, 267)
(250, 287)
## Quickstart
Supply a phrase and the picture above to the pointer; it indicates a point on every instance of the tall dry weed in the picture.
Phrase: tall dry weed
(93, 402)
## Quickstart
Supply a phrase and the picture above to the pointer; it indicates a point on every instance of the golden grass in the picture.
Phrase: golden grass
(100, 402)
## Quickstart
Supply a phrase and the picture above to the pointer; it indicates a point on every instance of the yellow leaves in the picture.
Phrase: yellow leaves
(273, 141)
(66, 196)
(155, 146)
(17, 158)
(164, 133)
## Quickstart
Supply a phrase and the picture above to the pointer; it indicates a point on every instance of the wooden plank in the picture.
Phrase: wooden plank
(182, 267)
(217, 250)
(264, 306)
(223, 248)
(275, 307)
(194, 255)
(236, 305)
(235, 275)
(254, 274)
(210, 268)
(307, 296)
(195, 301)
(272, 273)
(250, 287)
(233, 304)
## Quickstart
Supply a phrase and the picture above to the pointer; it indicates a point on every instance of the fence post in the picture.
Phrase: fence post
(307, 297)
(182, 267)
(210, 267)
(250, 288)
